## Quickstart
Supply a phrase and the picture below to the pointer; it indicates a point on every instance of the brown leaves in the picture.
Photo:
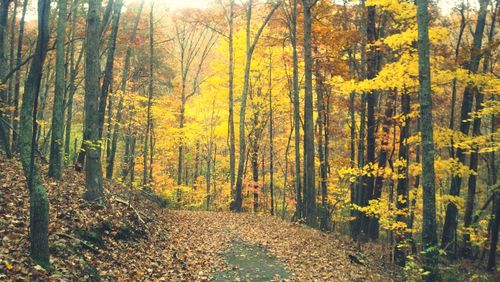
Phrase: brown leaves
(145, 242)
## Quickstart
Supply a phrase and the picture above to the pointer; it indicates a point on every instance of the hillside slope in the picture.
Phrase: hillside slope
(146, 242)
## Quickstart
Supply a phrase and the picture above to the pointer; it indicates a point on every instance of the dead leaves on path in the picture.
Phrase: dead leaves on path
(153, 244)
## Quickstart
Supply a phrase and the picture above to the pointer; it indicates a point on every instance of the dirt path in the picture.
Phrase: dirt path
(245, 247)
(165, 245)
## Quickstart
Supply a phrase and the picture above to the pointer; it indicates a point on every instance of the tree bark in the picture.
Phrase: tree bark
(309, 169)
(39, 204)
(17, 79)
(451, 217)
(250, 47)
(56, 141)
(429, 236)
(92, 142)
(402, 186)
(110, 162)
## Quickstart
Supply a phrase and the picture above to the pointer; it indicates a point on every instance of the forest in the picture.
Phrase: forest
(249, 140)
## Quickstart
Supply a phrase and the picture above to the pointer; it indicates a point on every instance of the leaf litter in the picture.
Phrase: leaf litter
(143, 241)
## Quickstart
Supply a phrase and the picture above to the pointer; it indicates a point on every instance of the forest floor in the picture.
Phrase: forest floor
(146, 242)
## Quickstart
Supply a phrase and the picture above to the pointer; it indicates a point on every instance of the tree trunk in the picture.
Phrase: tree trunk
(371, 225)
(39, 204)
(56, 141)
(474, 156)
(73, 69)
(232, 145)
(309, 169)
(4, 130)
(119, 115)
(429, 236)
(271, 136)
(402, 187)
(250, 47)
(92, 144)
(17, 84)
(296, 114)
(451, 217)
(149, 117)
(108, 69)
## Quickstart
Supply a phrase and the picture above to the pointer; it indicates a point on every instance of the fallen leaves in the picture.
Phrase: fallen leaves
(145, 242)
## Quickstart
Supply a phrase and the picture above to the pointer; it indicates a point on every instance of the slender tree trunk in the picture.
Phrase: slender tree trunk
(402, 187)
(149, 118)
(309, 169)
(321, 148)
(92, 144)
(384, 153)
(359, 189)
(39, 204)
(56, 141)
(232, 145)
(17, 79)
(451, 217)
(296, 114)
(474, 156)
(12, 43)
(494, 234)
(429, 236)
(108, 69)
(271, 136)
(119, 115)
(371, 225)
(4, 130)
(454, 83)
(250, 47)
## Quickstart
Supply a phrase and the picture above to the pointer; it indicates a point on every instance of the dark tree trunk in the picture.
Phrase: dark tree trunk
(56, 141)
(371, 225)
(108, 69)
(451, 217)
(4, 129)
(402, 187)
(110, 159)
(17, 79)
(39, 204)
(92, 144)
(309, 169)
(429, 236)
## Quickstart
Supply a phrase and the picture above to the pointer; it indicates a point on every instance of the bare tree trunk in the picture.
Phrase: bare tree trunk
(92, 144)
(451, 217)
(56, 142)
(238, 199)
(309, 169)
(4, 130)
(17, 79)
(271, 136)
(149, 117)
(119, 115)
(39, 204)
(429, 236)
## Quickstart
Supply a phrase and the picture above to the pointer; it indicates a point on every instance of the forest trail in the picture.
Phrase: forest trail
(151, 243)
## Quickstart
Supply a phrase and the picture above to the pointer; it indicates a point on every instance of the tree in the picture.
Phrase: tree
(39, 204)
(111, 150)
(451, 218)
(429, 236)
(56, 141)
(149, 117)
(4, 131)
(250, 47)
(17, 78)
(92, 142)
(309, 175)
